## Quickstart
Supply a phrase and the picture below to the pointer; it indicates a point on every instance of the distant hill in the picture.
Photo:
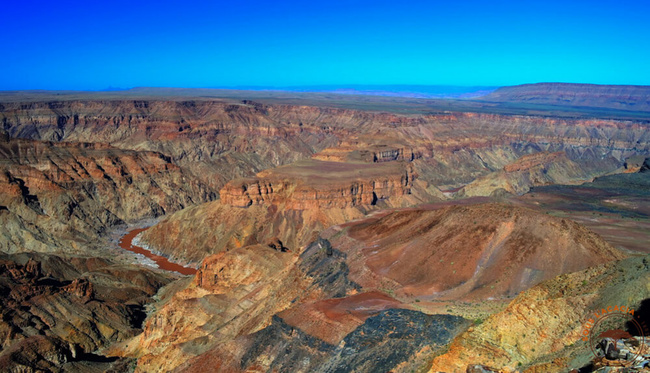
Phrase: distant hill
(620, 97)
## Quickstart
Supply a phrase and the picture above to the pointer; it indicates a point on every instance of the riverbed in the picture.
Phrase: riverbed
(126, 243)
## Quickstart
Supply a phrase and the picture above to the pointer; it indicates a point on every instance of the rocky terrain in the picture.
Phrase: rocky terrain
(326, 238)
(220, 140)
(57, 311)
(63, 196)
(534, 170)
(253, 305)
(541, 329)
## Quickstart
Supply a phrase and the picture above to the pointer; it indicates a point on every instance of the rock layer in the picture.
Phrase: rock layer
(535, 170)
(318, 184)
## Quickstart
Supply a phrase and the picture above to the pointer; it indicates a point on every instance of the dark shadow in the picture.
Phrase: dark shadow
(587, 368)
(137, 316)
(642, 316)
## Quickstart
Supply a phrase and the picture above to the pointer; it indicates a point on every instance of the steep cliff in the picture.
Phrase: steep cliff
(319, 184)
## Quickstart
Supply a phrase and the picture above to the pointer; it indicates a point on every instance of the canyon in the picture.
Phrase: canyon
(318, 234)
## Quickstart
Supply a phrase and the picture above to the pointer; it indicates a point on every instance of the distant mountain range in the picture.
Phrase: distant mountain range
(621, 97)
(556, 99)
(387, 90)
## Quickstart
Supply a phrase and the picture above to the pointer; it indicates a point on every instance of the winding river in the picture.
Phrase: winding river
(163, 263)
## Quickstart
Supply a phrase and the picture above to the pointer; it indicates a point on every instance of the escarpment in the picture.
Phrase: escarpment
(220, 140)
(319, 184)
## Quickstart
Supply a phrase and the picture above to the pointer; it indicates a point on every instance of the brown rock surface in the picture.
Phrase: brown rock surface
(317, 184)
(542, 327)
(234, 293)
(190, 235)
(331, 320)
(56, 310)
(531, 170)
(474, 251)
(61, 194)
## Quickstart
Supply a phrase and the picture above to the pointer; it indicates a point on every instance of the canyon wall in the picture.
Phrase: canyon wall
(218, 141)
(63, 196)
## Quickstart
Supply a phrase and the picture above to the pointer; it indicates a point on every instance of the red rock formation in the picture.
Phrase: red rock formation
(317, 184)
(472, 252)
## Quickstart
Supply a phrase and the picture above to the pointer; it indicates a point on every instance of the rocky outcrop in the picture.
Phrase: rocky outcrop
(373, 151)
(383, 342)
(234, 293)
(636, 164)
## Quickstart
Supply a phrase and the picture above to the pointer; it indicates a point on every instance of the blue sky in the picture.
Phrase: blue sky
(94, 45)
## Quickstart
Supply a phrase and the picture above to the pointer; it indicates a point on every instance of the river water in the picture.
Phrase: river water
(126, 242)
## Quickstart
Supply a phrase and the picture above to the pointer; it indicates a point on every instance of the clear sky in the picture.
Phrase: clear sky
(96, 44)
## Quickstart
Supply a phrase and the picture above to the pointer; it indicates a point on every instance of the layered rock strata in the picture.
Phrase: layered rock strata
(61, 194)
(318, 184)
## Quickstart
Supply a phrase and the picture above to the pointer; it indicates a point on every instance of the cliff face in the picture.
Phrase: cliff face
(55, 193)
(318, 184)
(633, 98)
(292, 203)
